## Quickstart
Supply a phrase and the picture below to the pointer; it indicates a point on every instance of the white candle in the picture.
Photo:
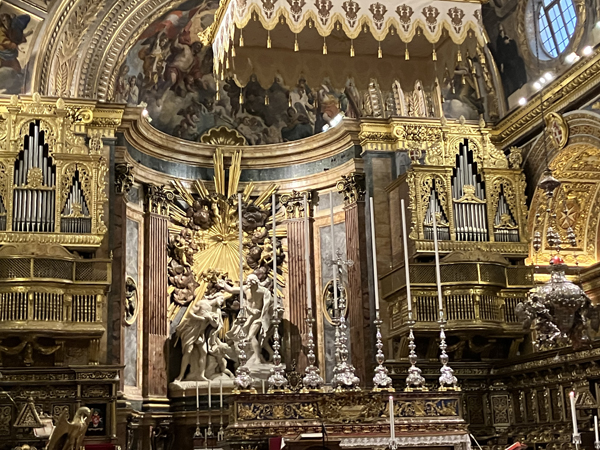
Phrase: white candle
(374, 247)
(596, 429)
(392, 420)
(307, 253)
(221, 394)
(274, 242)
(263, 386)
(573, 412)
(334, 266)
(209, 395)
(197, 397)
(406, 266)
(241, 244)
(437, 264)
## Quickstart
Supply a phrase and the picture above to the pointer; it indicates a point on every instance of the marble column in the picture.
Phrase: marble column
(123, 180)
(352, 187)
(298, 286)
(156, 329)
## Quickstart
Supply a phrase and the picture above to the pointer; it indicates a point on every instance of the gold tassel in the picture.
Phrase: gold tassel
(233, 51)
(290, 101)
(218, 92)
(268, 39)
(351, 48)
(241, 98)
(463, 80)
(434, 55)
(324, 46)
(266, 100)
(458, 56)
(406, 54)
(241, 38)
(227, 64)
(379, 54)
(296, 48)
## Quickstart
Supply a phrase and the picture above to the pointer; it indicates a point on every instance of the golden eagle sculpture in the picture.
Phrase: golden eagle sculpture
(69, 435)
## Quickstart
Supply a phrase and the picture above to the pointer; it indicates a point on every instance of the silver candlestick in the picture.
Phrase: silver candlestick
(221, 433)
(381, 380)
(414, 380)
(277, 381)
(577, 440)
(243, 380)
(312, 381)
(447, 379)
(344, 373)
(198, 432)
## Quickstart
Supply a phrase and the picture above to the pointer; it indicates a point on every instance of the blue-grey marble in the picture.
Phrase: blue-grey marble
(131, 331)
(339, 239)
(179, 170)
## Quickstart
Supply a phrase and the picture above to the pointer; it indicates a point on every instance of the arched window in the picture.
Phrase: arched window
(557, 20)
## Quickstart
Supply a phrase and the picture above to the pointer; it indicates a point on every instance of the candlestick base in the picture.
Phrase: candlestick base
(198, 433)
(597, 445)
(394, 444)
(243, 380)
(577, 440)
(414, 380)
(381, 381)
(312, 381)
(344, 373)
(277, 381)
(447, 379)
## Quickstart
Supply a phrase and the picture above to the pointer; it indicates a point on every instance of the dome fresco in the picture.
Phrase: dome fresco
(170, 71)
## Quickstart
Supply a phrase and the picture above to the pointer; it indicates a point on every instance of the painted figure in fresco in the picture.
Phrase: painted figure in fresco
(122, 86)
(133, 92)
(184, 71)
(354, 99)
(12, 34)
(302, 100)
(154, 56)
(510, 64)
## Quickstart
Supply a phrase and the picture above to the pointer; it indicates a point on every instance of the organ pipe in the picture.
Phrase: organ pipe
(34, 181)
(468, 194)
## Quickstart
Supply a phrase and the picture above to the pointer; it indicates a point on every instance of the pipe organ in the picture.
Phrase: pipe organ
(53, 197)
(34, 194)
(468, 198)
(477, 198)
(52, 186)
(75, 215)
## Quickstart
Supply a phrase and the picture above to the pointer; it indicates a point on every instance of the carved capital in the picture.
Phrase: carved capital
(352, 187)
(294, 204)
(123, 178)
(158, 199)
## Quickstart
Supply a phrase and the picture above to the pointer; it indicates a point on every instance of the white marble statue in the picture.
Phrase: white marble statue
(258, 329)
(198, 332)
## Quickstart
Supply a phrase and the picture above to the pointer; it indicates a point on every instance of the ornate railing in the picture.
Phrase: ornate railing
(484, 293)
(65, 271)
(45, 305)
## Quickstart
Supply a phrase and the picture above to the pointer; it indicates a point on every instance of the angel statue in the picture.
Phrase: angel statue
(69, 435)
(199, 331)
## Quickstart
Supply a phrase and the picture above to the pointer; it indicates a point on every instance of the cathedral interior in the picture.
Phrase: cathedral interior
(328, 225)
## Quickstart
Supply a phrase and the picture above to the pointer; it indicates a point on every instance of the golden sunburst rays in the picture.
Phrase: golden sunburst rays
(215, 230)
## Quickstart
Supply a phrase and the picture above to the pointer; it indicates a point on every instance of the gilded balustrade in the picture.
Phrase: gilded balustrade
(475, 295)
